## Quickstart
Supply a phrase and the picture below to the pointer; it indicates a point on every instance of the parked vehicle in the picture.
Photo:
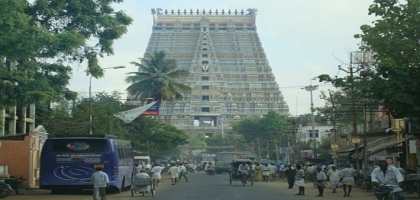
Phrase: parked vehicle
(63, 156)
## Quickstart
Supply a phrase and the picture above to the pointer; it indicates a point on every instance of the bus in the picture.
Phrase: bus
(223, 160)
(68, 162)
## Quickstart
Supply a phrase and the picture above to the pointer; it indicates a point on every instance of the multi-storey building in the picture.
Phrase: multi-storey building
(229, 72)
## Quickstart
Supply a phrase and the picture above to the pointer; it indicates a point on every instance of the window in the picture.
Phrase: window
(205, 87)
(316, 134)
(205, 98)
(204, 38)
(204, 78)
(205, 62)
(205, 55)
(204, 29)
(204, 49)
(204, 44)
(205, 109)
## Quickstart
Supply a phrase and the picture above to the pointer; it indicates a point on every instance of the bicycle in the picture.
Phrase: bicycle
(366, 185)
(5, 189)
(385, 191)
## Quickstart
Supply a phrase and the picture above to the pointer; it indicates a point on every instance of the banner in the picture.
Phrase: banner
(153, 110)
(129, 115)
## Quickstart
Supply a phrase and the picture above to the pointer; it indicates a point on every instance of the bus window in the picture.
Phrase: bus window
(79, 145)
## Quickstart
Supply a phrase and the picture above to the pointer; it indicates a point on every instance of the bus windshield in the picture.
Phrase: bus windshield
(228, 156)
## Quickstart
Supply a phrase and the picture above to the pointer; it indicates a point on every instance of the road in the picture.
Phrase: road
(204, 187)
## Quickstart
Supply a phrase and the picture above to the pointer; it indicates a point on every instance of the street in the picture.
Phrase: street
(204, 187)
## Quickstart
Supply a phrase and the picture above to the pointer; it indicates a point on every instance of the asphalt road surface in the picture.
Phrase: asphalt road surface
(204, 187)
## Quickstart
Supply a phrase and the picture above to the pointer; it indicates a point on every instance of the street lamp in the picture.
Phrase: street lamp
(90, 96)
(311, 88)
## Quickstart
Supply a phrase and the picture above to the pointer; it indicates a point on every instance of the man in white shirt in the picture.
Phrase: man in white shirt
(174, 172)
(273, 170)
(157, 171)
(100, 182)
(334, 176)
(388, 175)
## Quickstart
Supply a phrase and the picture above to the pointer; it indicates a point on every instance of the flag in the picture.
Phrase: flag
(129, 115)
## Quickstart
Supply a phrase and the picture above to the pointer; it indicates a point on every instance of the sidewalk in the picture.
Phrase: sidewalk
(311, 192)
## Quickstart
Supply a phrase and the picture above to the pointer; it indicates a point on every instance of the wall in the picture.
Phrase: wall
(22, 156)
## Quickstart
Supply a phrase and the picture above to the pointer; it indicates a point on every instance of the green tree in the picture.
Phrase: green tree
(238, 141)
(42, 39)
(73, 119)
(157, 78)
(156, 138)
(269, 131)
(198, 141)
(393, 38)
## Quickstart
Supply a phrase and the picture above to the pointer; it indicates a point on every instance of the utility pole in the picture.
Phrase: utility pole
(311, 88)
(334, 131)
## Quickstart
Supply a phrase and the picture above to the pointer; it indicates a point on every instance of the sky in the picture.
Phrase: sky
(301, 38)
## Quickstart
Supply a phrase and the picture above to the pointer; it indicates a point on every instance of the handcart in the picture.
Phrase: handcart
(141, 186)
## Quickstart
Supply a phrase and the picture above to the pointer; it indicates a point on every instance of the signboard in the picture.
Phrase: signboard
(334, 145)
(306, 153)
(355, 139)
(283, 150)
(373, 158)
(153, 110)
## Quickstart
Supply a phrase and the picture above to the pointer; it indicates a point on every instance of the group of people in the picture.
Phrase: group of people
(385, 175)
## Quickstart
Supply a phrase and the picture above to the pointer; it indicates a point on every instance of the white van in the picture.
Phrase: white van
(144, 161)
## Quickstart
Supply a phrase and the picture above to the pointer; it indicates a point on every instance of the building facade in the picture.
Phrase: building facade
(229, 72)
(305, 134)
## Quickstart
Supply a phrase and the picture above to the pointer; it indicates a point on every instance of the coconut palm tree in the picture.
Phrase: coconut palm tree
(157, 78)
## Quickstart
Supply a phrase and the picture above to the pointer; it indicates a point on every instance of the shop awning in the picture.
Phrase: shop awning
(372, 141)
(385, 145)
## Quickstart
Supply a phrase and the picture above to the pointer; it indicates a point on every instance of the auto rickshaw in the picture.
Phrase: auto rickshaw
(236, 174)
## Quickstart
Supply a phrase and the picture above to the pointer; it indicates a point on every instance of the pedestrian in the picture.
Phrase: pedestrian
(174, 173)
(390, 161)
(265, 172)
(182, 172)
(100, 182)
(320, 179)
(138, 168)
(258, 173)
(347, 178)
(253, 168)
(272, 172)
(334, 176)
(300, 180)
(387, 175)
(290, 174)
(156, 173)
(310, 173)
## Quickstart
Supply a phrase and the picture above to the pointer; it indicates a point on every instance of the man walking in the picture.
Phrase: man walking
(347, 178)
(290, 174)
(182, 172)
(334, 177)
(100, 182)
(300, 180)
(174, 172)
(320, 181)
(156, 173)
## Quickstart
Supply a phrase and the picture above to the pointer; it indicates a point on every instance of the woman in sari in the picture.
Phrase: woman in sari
(258, 173)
